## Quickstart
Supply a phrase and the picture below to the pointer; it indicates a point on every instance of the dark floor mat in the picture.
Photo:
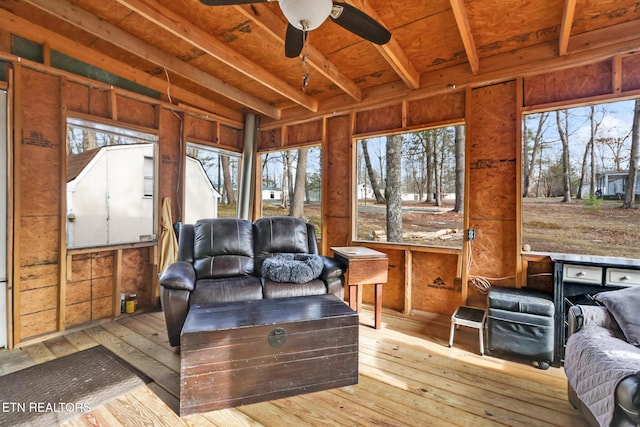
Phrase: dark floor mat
(52, 392)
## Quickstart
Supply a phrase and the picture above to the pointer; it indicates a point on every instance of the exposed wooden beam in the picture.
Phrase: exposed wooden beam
(565, 28)
(180, 27)
(586, 48)
(100, 28)
(270, 22)
(37, 34)
(392, 51)
(460, 13)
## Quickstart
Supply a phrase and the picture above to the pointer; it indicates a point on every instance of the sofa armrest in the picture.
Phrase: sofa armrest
(332, 268)
(628, 398)
(179, 275)
(582, 315)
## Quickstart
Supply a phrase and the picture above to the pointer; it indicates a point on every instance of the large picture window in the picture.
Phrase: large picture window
(111, 184)
(580, 180)
(410, 187)
(211, 183)
(292, 184)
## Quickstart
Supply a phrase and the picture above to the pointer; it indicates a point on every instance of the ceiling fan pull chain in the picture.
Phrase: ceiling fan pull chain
(305, 74)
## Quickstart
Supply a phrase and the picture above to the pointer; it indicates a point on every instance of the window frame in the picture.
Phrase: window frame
(146, 135)
(355, 191)
(209, 146)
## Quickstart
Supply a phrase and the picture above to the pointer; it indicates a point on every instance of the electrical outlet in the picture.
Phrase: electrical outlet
(471, 234)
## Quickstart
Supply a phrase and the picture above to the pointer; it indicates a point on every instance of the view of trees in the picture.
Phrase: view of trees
(582, 153)
(411, 174)
(579, 180)
(292, 182)
(222, 168)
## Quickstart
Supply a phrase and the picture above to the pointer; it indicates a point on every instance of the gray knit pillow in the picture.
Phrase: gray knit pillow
(292, 268)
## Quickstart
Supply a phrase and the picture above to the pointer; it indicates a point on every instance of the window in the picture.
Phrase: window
(292, 184)
(110, 184)
(410, 187)
(575, 174)
(211, 183)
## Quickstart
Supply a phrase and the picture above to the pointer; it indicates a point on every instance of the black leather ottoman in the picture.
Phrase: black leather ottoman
(520, 322)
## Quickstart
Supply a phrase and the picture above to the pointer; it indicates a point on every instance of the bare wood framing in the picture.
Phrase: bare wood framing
(408, 281)
(392, 51)
(267, 20)
(11, 182)
(62, 220)
(17, 130)
(565, 27)
(120, 38)
(585, 48)
(460, 13)
(616, 75)
(520, 272)
(183, 29)
(466, 249)
(117, 281)
(71, 48)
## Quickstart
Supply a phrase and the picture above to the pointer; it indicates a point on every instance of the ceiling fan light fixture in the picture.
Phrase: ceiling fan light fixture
(306, 15)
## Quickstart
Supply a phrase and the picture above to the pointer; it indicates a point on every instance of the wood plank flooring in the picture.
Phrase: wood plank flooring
(408, 377)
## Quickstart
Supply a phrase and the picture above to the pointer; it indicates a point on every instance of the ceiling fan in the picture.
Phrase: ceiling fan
(307, 15)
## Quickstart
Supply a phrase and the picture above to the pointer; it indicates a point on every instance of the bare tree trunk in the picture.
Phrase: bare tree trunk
(564, 137)
(437, 177)
(296, 208)
(632, 177)
(393, 189)
(375, 187)
(535, 152)
(460, 147)
(226, 177)
(286, 166)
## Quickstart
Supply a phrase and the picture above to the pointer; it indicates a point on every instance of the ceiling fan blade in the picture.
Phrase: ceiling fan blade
(230, 2)
(360, 23)
(293, 42)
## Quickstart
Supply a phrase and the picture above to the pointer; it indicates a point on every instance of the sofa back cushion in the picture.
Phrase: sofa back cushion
(222, 247)
(278, 235)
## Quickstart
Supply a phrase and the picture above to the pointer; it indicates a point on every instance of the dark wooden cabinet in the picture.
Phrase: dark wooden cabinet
(577, 278)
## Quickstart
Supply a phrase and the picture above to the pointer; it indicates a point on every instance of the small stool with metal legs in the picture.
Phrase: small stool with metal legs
(472, 317)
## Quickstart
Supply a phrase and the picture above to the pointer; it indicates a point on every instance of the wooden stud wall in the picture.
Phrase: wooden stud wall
(420, 278)
(89, 293)
(92, 281)
(433, 284)
(336, 192)
(37, 236)
(492, 196)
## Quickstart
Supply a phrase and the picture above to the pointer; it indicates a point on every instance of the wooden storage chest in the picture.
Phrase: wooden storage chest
(251, 351)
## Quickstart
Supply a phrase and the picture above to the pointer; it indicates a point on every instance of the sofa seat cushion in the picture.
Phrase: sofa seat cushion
(285, 290)
(242, 288)
(292, 268)
(521, 301)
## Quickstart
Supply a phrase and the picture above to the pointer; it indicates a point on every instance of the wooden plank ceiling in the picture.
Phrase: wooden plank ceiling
(231, 58)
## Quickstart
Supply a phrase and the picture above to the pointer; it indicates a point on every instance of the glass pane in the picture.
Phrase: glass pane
(211, 183)
(110, 185)
(292, 184)
(410, 187)
(576, 172)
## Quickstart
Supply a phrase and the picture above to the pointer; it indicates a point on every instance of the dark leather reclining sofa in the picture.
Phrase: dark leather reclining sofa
(220, 260)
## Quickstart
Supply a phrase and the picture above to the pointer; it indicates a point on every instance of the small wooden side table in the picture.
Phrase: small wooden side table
(365, 266)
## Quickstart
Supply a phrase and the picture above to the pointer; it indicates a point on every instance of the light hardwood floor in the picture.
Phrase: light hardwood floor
(408, 377)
